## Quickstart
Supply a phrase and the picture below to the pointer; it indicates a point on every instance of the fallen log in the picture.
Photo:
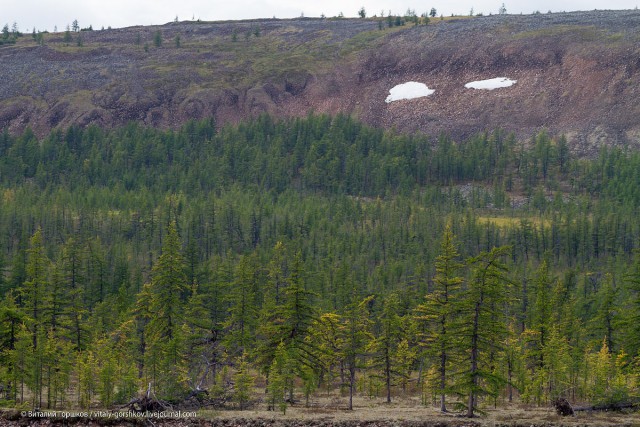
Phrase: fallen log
(608, 407)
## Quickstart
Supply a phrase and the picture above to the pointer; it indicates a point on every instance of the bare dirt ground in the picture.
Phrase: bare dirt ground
(325, 412)
(409, 412)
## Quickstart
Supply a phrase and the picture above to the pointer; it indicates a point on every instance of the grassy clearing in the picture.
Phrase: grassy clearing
(510, 222)
(367, 40)
(332, 409)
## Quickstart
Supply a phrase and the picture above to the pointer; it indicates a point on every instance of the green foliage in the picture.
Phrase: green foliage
(357, 328)
(438, 312)
(157, 38)
(631, 324)
(163, 257)
(165, 331)
(87, 386)
(281, 377)
(57, 369)
(555, 372)
(243, 383)
(483, 325)
(167, 289)
(328, 335)
(107, 374)
(403, 360)
(383, 348)
(288, 316)
(20, 361)
(9, 37)
(35, 286)
(241, 322)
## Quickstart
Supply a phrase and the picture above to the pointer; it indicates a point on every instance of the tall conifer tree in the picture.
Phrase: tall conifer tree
(439, 311)
(483, 325)
(164, 332)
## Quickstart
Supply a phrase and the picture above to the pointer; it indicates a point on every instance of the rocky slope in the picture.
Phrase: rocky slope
(577, 73)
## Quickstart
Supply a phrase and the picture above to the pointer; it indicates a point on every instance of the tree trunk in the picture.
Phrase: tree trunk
(510, 378)
(443, 361)
(443, 379)
(387, 369)
(352, 385)
(474, 361)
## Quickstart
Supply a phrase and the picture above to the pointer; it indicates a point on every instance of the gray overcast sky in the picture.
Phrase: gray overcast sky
(47, 14)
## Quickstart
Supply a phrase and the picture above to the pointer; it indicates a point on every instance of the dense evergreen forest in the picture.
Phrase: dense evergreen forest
(315, 255)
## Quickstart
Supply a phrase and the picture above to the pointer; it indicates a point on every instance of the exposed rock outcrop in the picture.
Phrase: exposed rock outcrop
(577, 73)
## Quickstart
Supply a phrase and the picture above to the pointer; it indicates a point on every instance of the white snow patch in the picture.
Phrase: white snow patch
(491, 84)
(408, 90)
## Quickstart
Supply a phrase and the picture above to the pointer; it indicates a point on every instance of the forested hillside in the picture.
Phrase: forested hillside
(321, 254)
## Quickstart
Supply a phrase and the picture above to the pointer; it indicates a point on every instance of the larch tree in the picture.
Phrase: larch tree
(164, 333)
(327, 333)
(20, 360)
(241, 323)
(631, 320)
(483, 324)
(288, 322)
(75, 281)
(607, 319)
(57, 367)
(383, 348)
(439, 311)
(555, 373)
(243, 383)
(281, 377)
(357, 329)
(541, 311)
(36, 286)
(34, 293)
(269, 331)
(297, 316)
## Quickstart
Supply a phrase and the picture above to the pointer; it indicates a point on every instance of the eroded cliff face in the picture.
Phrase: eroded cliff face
(577, 73)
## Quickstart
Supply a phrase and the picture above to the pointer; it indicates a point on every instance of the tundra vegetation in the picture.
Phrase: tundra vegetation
(313, 256)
